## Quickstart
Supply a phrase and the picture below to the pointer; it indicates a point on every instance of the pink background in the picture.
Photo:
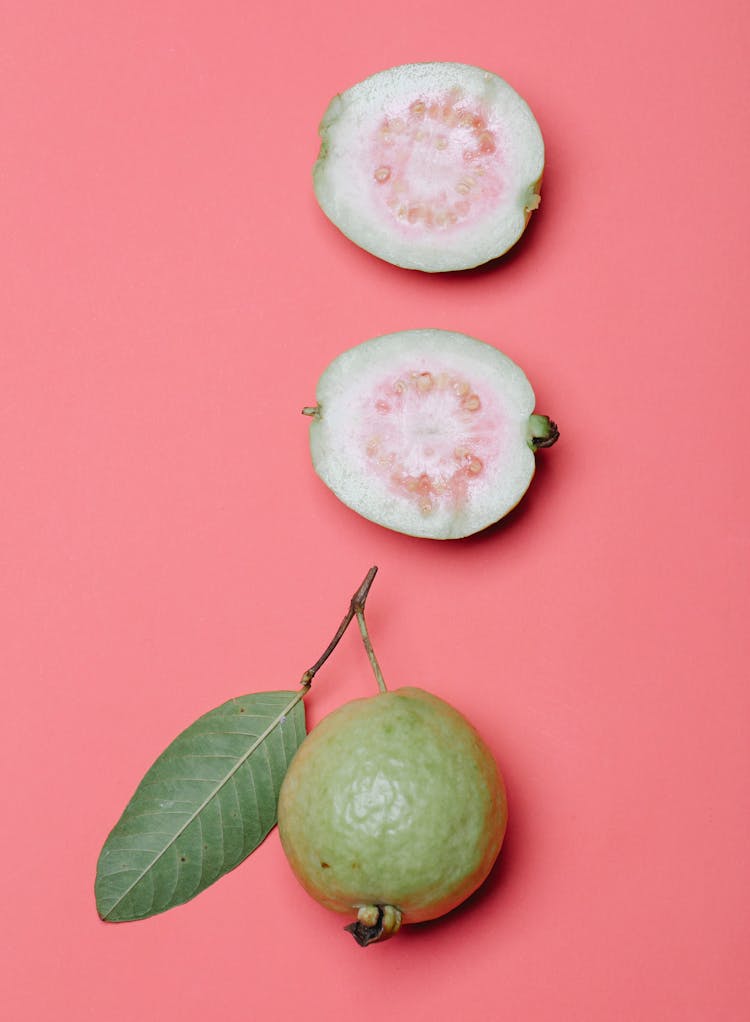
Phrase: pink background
(170, 294)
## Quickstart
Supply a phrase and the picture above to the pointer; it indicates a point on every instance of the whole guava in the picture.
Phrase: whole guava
(393, 810)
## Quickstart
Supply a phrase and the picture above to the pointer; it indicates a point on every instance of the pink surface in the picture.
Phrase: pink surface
(170, 294)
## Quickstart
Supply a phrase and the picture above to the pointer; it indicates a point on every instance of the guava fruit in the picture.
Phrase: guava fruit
(393, 809)
(427, 432)
(433, 167)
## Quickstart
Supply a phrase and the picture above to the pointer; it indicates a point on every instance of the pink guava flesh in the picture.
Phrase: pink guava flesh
(436, 164)
(430, 435)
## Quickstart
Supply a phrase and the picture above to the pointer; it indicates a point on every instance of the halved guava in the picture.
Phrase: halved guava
(430, 166)
(427, 432)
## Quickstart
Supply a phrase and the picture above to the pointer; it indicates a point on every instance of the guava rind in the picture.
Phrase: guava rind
(393, 800)
(498, 433)
(351, 198)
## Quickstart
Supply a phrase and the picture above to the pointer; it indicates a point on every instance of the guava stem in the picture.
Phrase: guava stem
(356, 607)
(368, 647)
(310, 410)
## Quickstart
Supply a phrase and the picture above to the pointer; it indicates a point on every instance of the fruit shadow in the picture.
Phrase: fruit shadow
(519, 252)
(522, 250)
(491, 890)
(526, 513)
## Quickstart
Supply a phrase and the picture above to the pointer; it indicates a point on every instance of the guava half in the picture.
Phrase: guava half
(433, 167)
(427, 432)
(393, 809)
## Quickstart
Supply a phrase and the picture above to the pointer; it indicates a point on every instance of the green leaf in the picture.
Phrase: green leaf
(206, 803)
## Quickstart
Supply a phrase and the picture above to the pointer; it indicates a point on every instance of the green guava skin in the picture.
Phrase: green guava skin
(393, 800)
